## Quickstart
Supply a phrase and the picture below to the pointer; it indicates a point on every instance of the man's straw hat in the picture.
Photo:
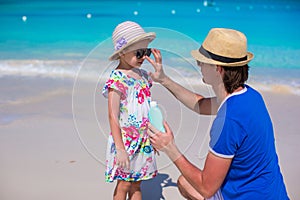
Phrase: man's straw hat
(126, 34)
(225, 47)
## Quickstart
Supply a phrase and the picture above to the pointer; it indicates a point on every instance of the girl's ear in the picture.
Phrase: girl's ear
(121, 53)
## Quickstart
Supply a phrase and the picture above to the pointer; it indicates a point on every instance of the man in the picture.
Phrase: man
(242, 162)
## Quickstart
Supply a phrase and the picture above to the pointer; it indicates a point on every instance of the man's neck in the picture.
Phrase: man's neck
(221, 92)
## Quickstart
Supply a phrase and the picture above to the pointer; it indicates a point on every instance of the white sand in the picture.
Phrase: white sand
(45, 155)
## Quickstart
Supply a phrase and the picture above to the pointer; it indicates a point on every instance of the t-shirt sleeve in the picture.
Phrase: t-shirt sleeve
(226, 137)
(116, 81)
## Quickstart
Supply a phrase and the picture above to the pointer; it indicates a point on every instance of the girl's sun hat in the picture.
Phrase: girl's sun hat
(224, 47)
(126, 34)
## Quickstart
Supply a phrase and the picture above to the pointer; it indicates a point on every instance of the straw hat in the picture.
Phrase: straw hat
(126, 34)
(225, 47)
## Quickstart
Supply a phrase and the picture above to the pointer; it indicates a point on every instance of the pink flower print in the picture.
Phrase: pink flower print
(109, 82)
(115, 162)
(144, 170)
(123, 174)
(142, 93)
(144, 123)
(120, 173)
(149, 159)
(131, 132)
(141, 97)
(131, 152)
(135, 131)
(123, 89)
(127, 143)
(146, 91)
(136, 87)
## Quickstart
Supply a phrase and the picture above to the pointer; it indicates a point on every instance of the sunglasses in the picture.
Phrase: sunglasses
(140, 53)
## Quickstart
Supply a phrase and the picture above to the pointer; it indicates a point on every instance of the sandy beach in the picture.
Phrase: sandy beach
(54, 148)
(54, 57)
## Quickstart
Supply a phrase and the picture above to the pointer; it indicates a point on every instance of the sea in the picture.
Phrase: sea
(71, 39)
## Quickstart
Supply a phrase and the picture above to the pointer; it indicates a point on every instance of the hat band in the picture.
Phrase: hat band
(216, 57)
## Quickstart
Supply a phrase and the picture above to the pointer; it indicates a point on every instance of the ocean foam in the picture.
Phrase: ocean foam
(286, 82)
(46, 68)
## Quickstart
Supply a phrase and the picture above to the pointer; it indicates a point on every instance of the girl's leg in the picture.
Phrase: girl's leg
(121, 190)
(135, 191)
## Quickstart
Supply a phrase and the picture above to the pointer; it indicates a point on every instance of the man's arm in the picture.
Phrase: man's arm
(206, 181)
(195, 102)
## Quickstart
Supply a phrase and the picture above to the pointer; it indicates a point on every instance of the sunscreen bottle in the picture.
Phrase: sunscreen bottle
(156, 117)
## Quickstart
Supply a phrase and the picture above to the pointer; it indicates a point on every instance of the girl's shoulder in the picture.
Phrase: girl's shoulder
(144, 73)
(116, 81)
(121, 74)
(117, 74)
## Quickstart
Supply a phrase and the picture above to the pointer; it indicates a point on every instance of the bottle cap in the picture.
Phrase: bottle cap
(153, 103)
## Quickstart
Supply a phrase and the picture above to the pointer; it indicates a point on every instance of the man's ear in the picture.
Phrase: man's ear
(219, 69)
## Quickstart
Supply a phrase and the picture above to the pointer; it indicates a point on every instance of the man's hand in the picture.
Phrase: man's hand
(164, 141)
(158, 75)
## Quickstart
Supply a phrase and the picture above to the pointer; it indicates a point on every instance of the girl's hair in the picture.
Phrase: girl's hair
(234, 77)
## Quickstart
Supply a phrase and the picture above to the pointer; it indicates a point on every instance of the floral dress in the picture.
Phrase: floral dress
(134, 107)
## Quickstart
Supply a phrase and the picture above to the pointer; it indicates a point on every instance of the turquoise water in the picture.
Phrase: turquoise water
(46, 31)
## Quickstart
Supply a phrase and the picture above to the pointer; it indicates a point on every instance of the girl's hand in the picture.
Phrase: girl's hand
(158, 75)
(123, 159)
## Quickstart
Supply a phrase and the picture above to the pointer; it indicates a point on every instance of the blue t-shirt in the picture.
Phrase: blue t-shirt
(243, 131)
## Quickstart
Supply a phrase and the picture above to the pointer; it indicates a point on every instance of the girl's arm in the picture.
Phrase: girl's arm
(113, 114)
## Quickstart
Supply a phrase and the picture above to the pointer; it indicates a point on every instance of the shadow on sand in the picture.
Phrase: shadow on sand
(153, 189)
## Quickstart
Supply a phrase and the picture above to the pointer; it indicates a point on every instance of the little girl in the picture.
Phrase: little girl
(130, 156)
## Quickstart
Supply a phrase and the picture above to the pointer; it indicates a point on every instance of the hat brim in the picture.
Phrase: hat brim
(146, 36)
(200, 57)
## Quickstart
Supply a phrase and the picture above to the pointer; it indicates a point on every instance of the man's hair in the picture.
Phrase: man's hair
(234, 77)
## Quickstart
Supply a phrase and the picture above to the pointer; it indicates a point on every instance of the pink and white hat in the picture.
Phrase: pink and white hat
(126, 34)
